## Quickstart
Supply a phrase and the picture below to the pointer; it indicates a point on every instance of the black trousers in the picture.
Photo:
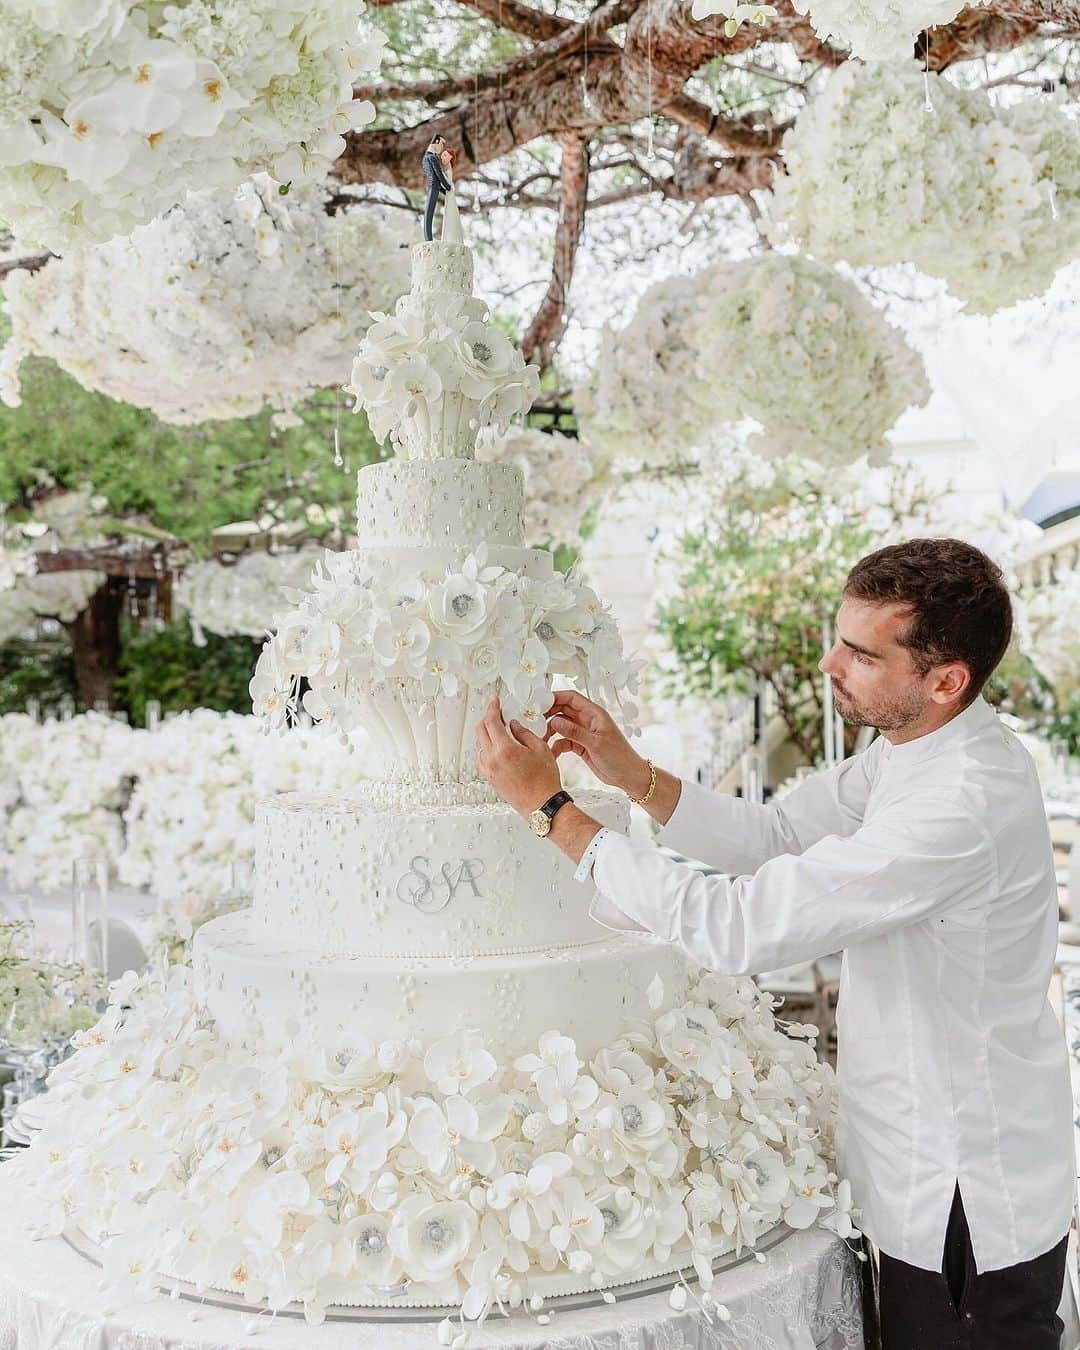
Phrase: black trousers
(960, 1309)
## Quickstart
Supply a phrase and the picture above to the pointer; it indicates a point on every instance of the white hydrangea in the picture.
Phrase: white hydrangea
(231, 302)
(190, 818)
(985, 197)
(66, 784)
(242, 597)
(564, 476)
(648, 397)
(111, 110)
(879, 30)
(427, 1168)
(172, 809)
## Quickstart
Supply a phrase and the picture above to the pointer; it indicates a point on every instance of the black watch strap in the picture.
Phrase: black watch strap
(553, 803)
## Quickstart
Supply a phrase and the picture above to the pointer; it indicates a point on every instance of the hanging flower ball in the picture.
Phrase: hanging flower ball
(879, 30)
(647, 397)
(236, 300)
(987, 198)
(781, 341)
(111, 111)
(796, 347)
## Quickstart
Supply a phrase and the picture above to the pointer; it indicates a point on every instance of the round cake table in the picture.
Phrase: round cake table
(804, 1296)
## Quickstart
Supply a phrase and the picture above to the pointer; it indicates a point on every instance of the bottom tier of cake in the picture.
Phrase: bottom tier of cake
(433, 1173)
(259, 994)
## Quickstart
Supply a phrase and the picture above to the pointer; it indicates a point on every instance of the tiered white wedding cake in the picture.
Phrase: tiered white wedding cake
(415, 1072)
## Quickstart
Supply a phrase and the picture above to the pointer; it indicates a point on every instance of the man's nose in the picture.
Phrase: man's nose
(827, 664)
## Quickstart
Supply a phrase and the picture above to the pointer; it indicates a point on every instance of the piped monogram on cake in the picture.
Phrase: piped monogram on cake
(432, 893)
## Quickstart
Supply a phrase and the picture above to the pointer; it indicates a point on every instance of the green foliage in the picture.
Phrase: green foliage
(169, 667)
(1019, 687)
(185, 480)
(40, 669)
(754, 582)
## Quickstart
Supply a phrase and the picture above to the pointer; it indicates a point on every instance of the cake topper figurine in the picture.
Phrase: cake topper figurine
(437, 164)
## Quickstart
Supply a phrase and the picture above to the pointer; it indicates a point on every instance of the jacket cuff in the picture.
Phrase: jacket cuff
(604, 909)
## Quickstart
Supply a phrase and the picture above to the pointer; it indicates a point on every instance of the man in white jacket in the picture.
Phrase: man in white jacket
(927, 860)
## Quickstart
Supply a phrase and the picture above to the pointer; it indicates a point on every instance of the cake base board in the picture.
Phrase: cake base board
(660, 1278)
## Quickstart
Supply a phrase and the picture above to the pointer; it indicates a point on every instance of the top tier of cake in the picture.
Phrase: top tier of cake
(434, 372)
(438, 266)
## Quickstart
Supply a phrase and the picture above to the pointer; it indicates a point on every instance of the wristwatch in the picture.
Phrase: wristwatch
(540, 819)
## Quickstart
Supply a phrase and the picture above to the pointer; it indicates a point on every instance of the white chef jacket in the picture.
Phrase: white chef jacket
(930, 864)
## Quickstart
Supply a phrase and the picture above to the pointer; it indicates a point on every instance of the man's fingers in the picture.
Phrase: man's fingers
(569, 700)
(564, 748)
(523, 735)
(571, 728)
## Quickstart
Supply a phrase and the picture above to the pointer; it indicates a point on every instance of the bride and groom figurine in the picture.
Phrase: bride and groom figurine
(438, 166)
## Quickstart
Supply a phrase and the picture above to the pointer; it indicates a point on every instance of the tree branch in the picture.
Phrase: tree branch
(521, 18)
(28, 264)
(547, 327)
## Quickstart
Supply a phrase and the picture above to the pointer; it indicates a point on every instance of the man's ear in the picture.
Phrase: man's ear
(952, 684)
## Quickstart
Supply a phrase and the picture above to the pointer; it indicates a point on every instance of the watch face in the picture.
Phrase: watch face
(539, 822)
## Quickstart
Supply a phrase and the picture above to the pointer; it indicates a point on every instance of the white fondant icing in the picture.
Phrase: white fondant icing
(440, 265)
(356, 875)
(439, 501)
(259, 993)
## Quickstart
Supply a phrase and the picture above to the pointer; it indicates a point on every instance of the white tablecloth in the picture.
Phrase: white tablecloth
(805, 1296)
(51, 912)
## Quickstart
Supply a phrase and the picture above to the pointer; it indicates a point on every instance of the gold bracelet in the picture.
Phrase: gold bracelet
(640, 801)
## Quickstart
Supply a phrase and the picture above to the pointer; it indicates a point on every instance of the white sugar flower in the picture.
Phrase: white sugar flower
(416, 380)
(272, 1201)
(578, 1220)
(555, 1072)
(398, 638)
(459, 1063)
(359, 1142)
(459, 606)
(523, 669)
(486, 356)
(432, 1237)
(810, 1190)
(129, 1264)
(457, 1133)
(375, 1260)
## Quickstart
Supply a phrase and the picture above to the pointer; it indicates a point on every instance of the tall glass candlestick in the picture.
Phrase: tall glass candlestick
(80, 880)
(829, 710)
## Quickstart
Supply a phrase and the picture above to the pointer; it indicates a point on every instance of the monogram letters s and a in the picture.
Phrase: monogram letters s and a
(431, 893)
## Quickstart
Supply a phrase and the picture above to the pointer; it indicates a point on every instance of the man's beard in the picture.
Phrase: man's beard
(891, 715)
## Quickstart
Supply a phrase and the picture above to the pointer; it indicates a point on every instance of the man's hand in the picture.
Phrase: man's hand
(588, 731)
(518, 765)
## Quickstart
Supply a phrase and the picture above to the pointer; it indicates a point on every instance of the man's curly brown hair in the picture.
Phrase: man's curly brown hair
(960, 605)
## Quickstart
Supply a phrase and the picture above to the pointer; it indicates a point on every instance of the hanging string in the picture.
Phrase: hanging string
(928, 102)
(476, 125)
(650, 152)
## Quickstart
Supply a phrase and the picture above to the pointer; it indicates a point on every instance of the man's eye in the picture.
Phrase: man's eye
(864, 659)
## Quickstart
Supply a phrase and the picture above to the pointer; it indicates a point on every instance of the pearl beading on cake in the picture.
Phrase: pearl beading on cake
(586, 990)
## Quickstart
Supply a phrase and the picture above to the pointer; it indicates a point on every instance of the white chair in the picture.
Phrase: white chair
(125, 951)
